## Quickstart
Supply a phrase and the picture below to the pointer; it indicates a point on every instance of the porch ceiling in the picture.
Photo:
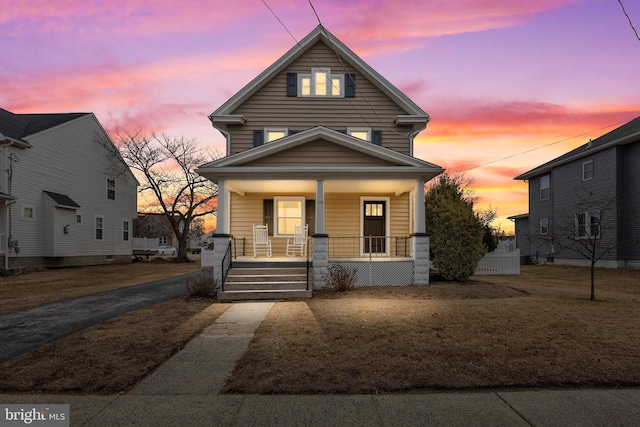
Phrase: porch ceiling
(337, 186)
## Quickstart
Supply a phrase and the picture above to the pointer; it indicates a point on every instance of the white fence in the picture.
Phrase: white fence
(206, 258)
(144, 244)
(504, 260)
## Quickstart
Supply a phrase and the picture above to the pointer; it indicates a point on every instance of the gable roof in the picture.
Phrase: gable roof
(238, 164)
(224, 112)
(19, 126)
(625, 134)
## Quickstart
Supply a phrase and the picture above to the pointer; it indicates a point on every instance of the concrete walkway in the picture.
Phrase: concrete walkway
(184, 392)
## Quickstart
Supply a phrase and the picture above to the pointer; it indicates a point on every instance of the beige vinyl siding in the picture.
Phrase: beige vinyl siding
(270, 107)
(342, 216)
(319, 153)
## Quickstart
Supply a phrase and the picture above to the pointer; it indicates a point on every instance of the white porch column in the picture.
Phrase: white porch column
(319, 207)
(222, 222)
(419, 226)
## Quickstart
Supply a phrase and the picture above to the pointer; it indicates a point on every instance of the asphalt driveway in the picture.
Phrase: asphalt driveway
(23, 331)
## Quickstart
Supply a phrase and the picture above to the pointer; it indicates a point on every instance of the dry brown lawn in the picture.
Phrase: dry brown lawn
(35, 288)
(538, 329)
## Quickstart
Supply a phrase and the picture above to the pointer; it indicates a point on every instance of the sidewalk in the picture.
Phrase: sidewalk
(183, 392)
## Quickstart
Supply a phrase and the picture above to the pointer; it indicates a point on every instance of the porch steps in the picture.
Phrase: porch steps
(258, 283)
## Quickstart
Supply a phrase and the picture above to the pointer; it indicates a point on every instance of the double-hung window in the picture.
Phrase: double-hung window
(111, 189)
(587, 170)
(289, 212)
(544, 226)
(125, 231)
(588, 225)
(545, 188)
(99, 228)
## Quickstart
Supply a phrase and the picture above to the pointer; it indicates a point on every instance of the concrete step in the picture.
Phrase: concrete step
(247, 295)
(265, 286)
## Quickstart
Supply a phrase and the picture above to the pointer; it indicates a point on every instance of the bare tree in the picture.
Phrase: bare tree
(589, 228)
(167, 166)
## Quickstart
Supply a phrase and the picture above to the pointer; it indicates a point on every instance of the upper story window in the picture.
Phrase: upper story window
(362, 133)
(111, 189)
(545, 189)
(321, 83)
(271, 134)
(587, 170)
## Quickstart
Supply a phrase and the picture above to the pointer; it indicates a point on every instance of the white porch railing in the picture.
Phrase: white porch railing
(388, 248)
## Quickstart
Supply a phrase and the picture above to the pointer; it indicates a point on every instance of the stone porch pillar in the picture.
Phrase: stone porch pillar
(320, 259)
(220, 246)
(421, 259)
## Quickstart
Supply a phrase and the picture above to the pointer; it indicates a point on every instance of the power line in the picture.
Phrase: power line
(542, 146)
(629, 19)
(281, 23)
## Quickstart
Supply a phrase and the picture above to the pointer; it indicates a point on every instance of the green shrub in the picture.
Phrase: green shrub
(340, 278)
(201, 285)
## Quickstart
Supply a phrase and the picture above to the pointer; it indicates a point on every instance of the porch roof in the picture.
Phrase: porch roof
(398, 166)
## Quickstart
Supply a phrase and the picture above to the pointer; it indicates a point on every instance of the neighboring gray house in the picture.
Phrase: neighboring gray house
(592, 191)
(66, 197)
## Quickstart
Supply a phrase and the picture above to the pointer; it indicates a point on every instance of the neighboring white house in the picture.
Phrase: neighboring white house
(66, 197)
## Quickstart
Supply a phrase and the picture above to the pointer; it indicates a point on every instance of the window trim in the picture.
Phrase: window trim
(110, 189)
(548, 187)
(23, 209)
(126, 230)
(274, 129)
(95, 228)
(276, 217)
(360, 129)
(584, 177)
(587, 216)
(544, 226)
(313, 83)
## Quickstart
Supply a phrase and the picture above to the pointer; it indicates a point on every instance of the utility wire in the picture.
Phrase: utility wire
(629, 19)
(542, 146)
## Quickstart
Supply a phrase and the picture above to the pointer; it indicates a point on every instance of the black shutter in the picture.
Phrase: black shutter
(376, 137)
(310, 212)
(267, 214)
(292, 84)
(350, 85)
(258, 138)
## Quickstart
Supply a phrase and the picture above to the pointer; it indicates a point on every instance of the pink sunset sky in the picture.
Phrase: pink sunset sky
(508, 84)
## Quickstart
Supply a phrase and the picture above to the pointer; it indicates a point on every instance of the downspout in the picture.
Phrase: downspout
(7, 203)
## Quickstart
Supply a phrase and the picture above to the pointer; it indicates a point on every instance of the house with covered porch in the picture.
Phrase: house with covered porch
(320, 139)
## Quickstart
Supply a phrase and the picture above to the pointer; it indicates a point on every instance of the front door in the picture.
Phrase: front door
(374, 226)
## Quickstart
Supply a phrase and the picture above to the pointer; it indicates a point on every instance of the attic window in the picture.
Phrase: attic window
(320, 83)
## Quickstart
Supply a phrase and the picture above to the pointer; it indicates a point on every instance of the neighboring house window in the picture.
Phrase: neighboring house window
(289, 212)
(111, 189)
(79, 218)
(162, 240)
(320, 83)
(99, 228)
(588, 225)
(544, 226)
(545, 189)
(587, 170)
(271, 134)
(28, 213)
(125, 231)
